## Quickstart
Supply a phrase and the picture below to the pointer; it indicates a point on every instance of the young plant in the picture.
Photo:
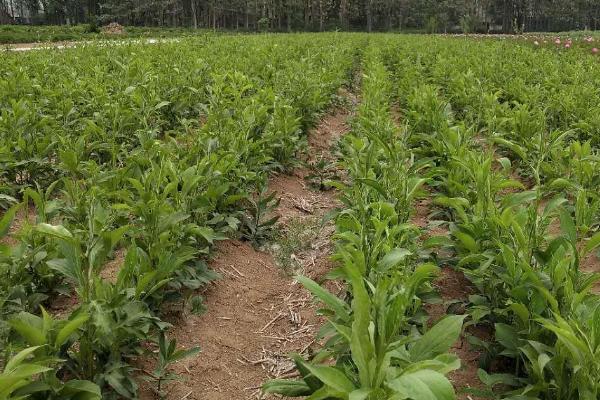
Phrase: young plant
(259, 220)
(167, 355)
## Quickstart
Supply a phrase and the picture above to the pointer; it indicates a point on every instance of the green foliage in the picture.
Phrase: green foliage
(259, 218)
(513, 177)
(167, 355)
(137, 169)
(374, 346)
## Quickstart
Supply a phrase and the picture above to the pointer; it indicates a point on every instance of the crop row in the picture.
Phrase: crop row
(376, 341)
(509, 153)
(150, 152)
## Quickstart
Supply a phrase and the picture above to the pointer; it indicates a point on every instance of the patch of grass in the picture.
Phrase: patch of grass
(297, 236)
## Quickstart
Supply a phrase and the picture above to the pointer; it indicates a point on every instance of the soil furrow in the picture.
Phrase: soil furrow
(256, 313)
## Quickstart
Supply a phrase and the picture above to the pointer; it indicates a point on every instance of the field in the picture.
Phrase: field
(326, 216)
(39, 34)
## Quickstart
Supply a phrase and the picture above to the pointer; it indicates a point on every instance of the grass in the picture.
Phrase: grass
(298, 236)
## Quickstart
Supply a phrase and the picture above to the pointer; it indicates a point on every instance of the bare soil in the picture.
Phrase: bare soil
(591, 264)
(257, 313)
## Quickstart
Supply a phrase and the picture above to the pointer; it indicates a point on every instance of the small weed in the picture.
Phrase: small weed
(258, 220)
(322, 171)
(298, 236)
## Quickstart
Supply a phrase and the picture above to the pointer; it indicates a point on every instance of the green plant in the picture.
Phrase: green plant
(51, 341)
(167, 355)
(258, 220)
(298, 235)
(19, 373)
(321, 172)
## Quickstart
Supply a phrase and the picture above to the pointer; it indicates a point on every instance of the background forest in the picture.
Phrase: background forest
(507, 16)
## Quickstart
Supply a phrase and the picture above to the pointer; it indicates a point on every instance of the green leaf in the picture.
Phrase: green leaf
(592, 244)
(7, 219)
(161, 105)
(360, 394)
(437, 241)
(336, 304)
(77, 388)
(507, 336)
(518, 150)
(181, 354)
(332, 377)
(20, 357)
(392, 259)
(58, 231)
(22, 323)
(423, 385)
(492, 380)
(567, 225)
(467, 241)
(375, 185)
(437, 340)
(69, 328)
(520, 198)
(287, 388)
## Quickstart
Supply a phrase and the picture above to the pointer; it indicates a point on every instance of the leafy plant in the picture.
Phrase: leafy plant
(167, 355)
(259, 220)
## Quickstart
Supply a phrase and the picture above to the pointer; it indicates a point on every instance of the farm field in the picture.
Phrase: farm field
(322, 216)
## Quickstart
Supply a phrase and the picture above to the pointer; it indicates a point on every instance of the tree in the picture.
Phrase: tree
(290, 15)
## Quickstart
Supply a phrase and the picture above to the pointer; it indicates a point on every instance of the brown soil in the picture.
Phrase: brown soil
(257, 314)
(113, 29)
(591, 264)
(111, 269)
(23, 217)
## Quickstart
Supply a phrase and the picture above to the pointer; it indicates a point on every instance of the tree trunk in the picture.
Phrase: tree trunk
(343, 13)
(289, 11)
(194, 14)
(321, 16)
(369, 14)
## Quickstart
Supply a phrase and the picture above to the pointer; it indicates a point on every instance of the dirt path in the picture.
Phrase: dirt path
(21, 47)
(257, 314)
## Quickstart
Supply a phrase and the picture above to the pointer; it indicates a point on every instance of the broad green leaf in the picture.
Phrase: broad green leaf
(337, 305)
(467, 241)
(287, 387)
(332, 377)
(32, 334)
(58, 231)
(423, 385)
(438, 339)
(392, 259)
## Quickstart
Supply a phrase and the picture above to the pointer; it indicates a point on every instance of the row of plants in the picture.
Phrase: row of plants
(377, 342)
(515, 179)
(537, 90)
(518, 195)
(150, 152)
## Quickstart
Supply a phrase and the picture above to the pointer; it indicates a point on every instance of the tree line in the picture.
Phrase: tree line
(507, 16)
